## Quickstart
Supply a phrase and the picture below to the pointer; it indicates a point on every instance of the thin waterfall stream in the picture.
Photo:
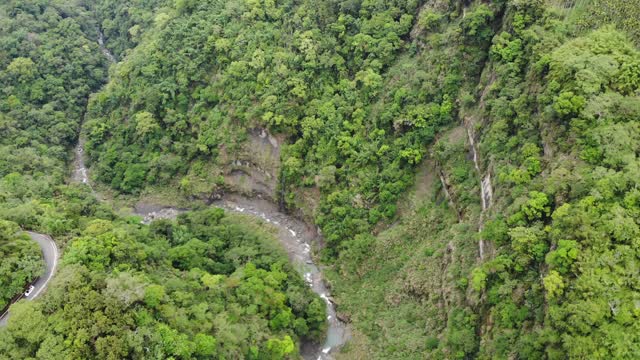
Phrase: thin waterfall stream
(486, 192)
(104, 49)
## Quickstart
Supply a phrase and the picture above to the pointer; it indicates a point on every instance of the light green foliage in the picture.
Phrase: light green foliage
(564, 255)
(22, 69)
(205, 345)
(478, 279)
(553, 284)
(145, 124)
(528, 242)
(567, 104)
(211, 281)
(279, 349)
(153, 295)
(537, 206)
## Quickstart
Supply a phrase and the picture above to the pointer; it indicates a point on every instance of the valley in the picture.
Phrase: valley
(280, 180)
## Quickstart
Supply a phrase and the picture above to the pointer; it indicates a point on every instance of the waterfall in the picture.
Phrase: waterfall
(486, 192)
(105, 51)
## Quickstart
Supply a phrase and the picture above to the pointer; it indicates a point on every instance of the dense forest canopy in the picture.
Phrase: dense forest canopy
(48, 67)
(206, 286)
(206, 74)
(472, 167)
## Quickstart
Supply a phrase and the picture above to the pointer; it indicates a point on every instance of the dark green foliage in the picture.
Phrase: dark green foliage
(461, 338)
(48, 68)
(124, 22)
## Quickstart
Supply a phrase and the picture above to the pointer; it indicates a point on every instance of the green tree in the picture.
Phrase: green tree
(154, 295)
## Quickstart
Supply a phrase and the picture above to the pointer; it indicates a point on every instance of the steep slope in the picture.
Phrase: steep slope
(557, 117)
(122, 23)
(199, 77)
(49, 65)
(554, 124)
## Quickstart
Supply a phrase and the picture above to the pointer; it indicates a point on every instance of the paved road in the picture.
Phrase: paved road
(51, 256)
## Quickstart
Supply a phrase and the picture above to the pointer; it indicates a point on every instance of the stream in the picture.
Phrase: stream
(296, 237)
(105, 51)
(80, 173)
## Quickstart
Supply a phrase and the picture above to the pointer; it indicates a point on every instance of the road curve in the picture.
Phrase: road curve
(51, 257)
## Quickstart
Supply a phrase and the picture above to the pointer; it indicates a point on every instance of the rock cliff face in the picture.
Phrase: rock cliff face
(255, 170)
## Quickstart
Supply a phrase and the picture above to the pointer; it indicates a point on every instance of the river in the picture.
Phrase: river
(297, 237)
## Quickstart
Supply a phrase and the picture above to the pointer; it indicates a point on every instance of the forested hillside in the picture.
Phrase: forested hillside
(205, 286)
(472, 167)
(123, 22)
(48, 67)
